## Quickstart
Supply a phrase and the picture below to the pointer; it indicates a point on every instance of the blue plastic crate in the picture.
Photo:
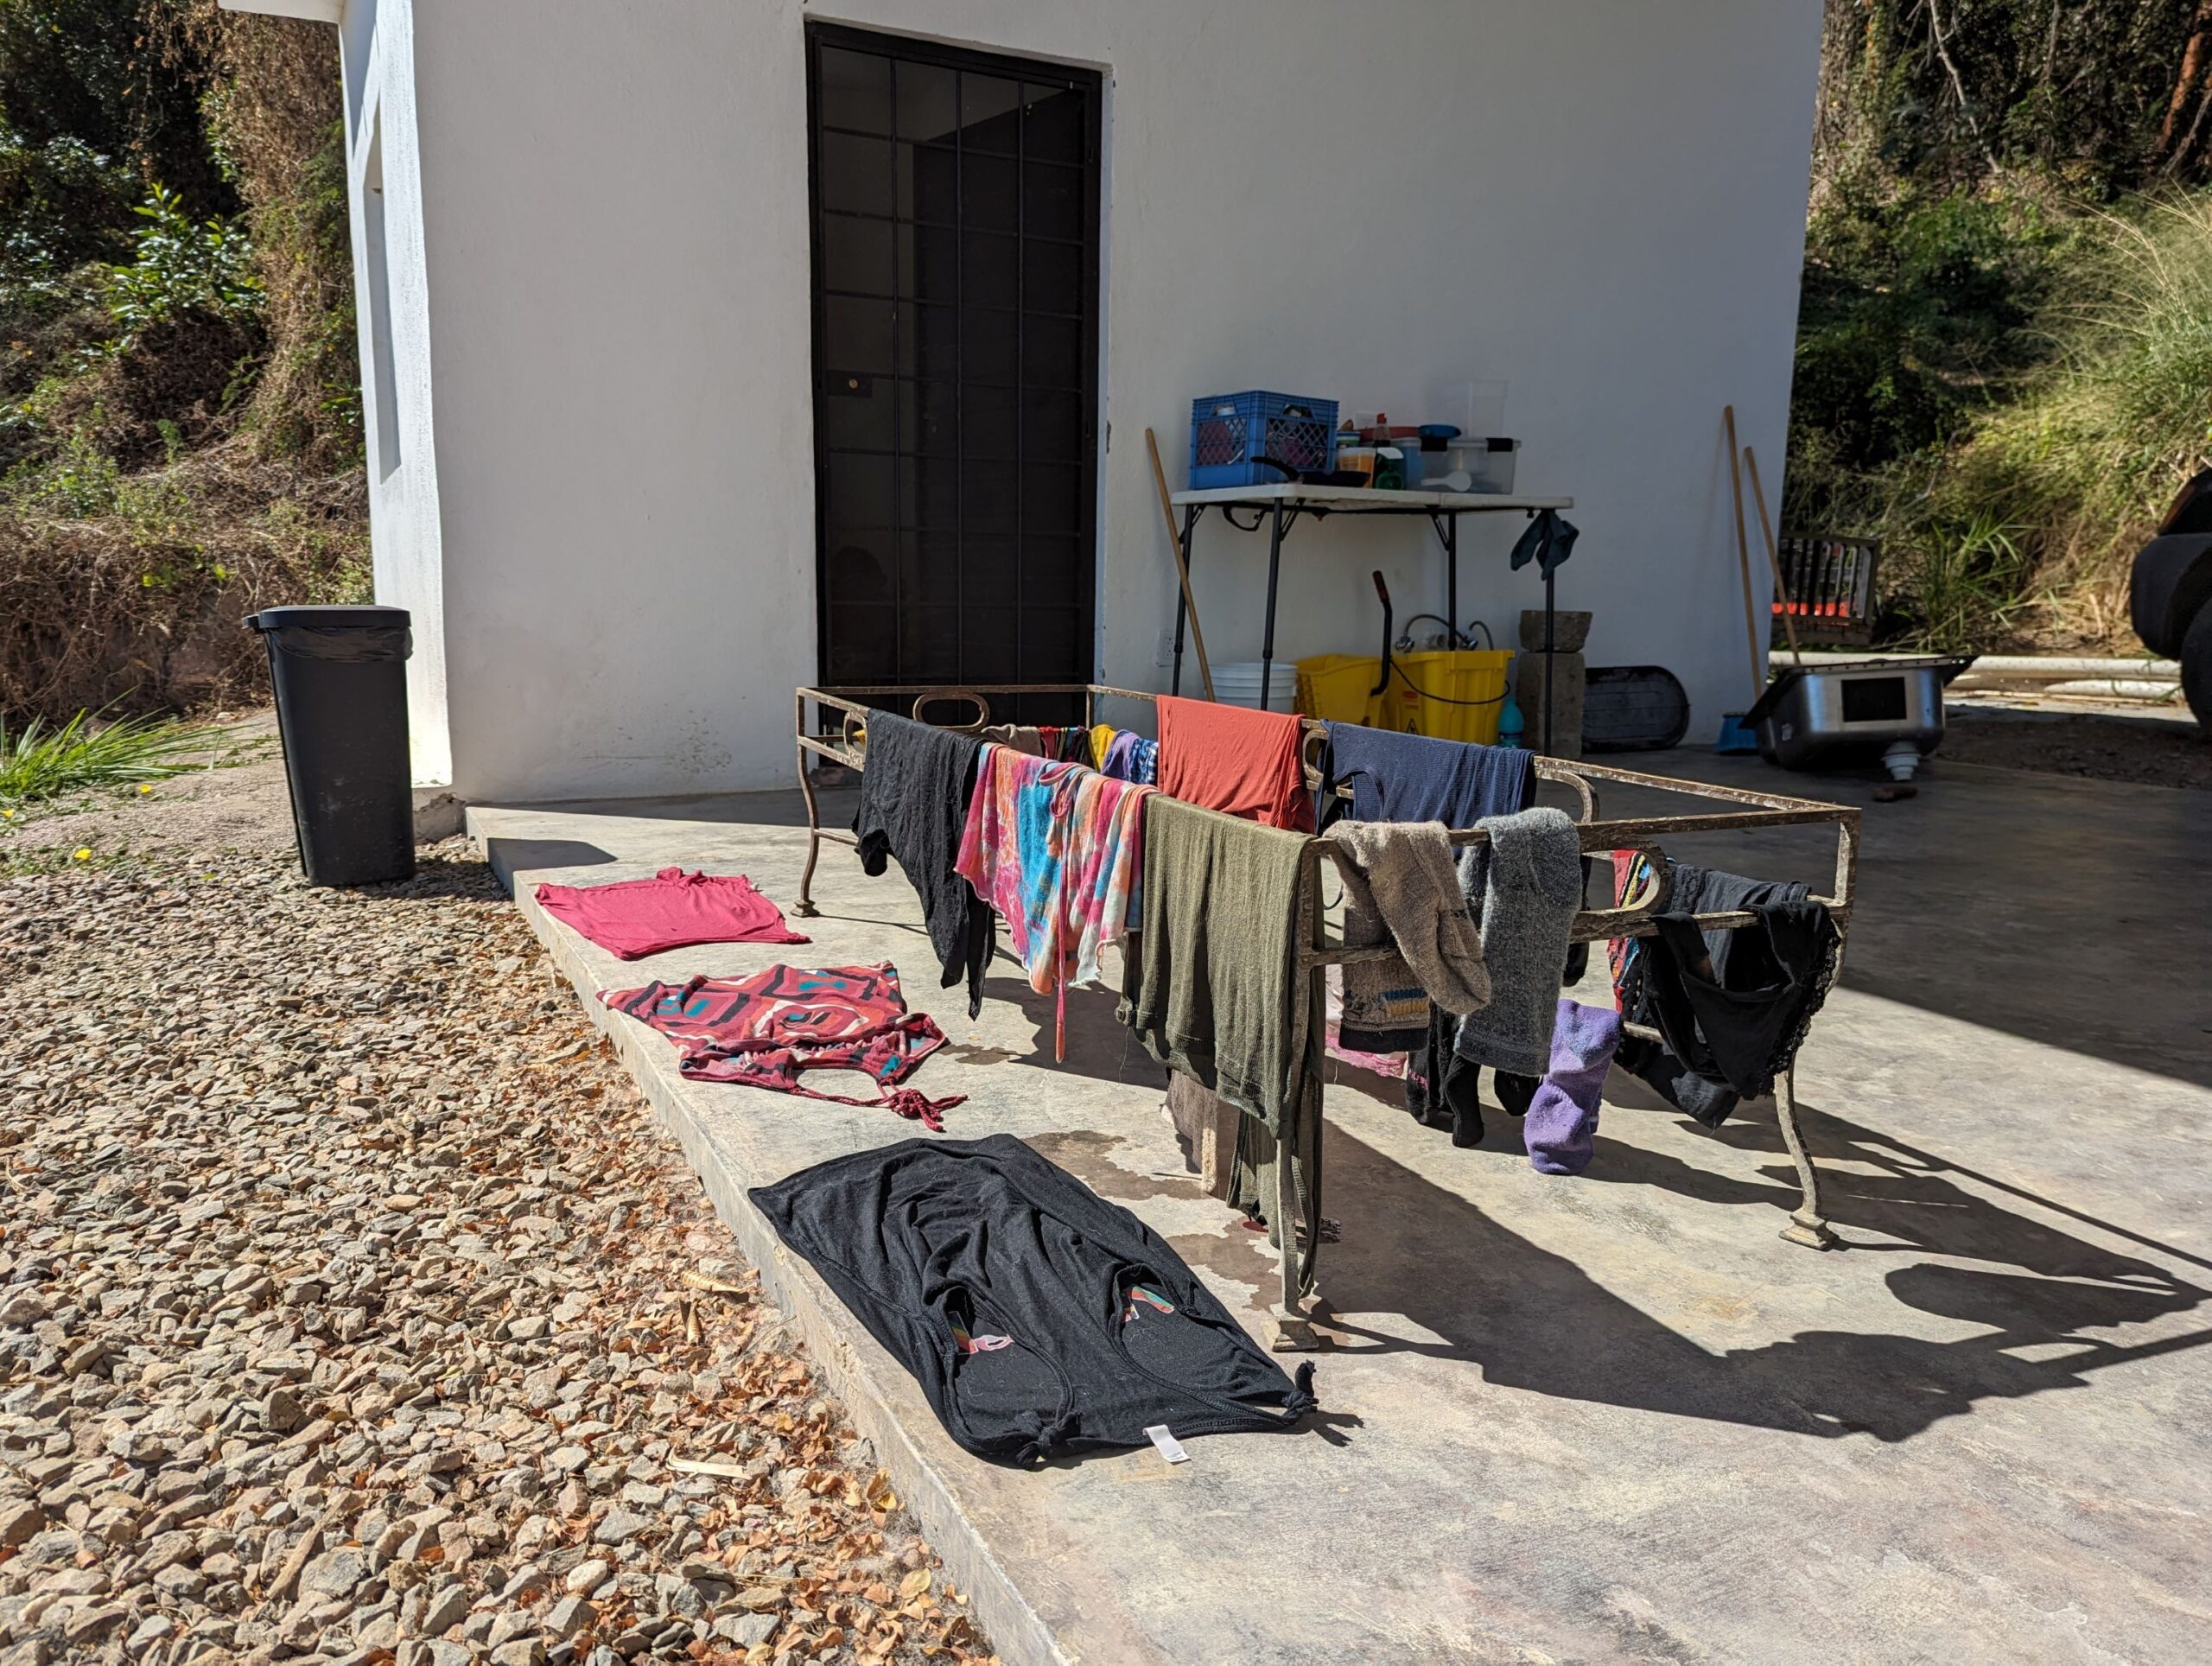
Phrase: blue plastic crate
(1230, 432)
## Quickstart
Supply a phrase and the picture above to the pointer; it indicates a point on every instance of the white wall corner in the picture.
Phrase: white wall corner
(316, 11)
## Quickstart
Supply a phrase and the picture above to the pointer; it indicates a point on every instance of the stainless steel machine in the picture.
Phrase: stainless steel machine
(1855, 711)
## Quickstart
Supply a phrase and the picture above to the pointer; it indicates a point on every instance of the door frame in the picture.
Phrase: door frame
(1089, 530)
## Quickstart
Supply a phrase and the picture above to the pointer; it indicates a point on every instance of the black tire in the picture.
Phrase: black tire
(2196, 658)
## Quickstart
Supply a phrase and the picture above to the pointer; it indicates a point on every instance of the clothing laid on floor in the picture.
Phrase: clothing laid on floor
(1057, 848)
(1525, 885)
(1235, 760)
(1561, 1126)
(1039, 1320)
(1732, 1005)
(1415, 777)
(673, 910)
(914, 795)
(1212, 986)
(1402, 892)
(1131, 757)
(768, 1030)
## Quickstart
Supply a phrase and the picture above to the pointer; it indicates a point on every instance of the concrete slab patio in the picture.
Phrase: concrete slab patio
(1611, 1417)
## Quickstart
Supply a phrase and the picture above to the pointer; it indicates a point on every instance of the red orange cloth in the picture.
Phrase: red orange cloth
(1235, 760)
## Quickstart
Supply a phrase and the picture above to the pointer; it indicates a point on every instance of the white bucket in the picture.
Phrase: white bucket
(1238, 684)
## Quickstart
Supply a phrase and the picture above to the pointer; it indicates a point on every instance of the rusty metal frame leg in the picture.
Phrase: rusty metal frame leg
(1806, 1225)
(1301, 1141)
(804, 906)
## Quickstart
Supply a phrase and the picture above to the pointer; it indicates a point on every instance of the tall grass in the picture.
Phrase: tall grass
(2023, 532)
(41, 761)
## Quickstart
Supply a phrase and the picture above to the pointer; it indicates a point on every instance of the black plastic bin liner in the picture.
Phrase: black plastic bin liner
(340, 675)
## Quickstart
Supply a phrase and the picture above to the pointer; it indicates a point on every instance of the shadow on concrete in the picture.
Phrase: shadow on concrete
(1535, 1320)
(537, 855)
(2040, 906)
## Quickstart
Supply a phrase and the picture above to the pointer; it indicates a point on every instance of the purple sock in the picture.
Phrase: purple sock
(1561, 1127)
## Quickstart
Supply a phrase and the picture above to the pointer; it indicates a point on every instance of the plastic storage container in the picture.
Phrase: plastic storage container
(1450, 694)
(340, 680)
(1335, 688)
(1230, 432)
(1491, 463)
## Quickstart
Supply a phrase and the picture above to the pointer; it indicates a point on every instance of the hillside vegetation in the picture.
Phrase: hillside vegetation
(179, 419)
(2004, 347)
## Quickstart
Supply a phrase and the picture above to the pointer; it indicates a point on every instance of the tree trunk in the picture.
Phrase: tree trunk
(2192, 66)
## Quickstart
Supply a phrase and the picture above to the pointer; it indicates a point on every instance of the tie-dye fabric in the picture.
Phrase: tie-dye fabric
(1057, 849)
(769, 1030)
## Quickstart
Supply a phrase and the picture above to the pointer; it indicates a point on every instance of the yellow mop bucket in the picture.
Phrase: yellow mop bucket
(1453, 694)
(1336, 688)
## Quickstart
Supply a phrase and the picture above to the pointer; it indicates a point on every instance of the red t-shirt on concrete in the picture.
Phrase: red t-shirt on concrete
(1235, 760)
(672, 909)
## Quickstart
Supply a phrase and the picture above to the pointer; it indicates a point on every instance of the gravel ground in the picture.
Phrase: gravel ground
(343, 1312)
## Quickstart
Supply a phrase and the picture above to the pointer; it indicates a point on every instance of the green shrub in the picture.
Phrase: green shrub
(179, 266)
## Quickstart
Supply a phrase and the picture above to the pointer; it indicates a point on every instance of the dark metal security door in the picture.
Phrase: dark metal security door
(956, 275)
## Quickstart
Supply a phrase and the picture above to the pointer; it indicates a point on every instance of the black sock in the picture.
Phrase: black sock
(1514, 1092)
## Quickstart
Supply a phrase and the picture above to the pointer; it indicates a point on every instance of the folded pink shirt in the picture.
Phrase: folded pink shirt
(672, 909)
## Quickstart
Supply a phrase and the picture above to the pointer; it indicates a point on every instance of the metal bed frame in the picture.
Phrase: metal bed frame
(843, 743)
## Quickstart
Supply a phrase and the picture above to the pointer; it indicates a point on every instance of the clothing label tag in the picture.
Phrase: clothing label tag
(1170, 1448)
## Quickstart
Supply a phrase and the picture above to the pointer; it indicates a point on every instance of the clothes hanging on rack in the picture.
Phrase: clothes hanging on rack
(1212, 986)
(1732, 1005)
(1402, 891)
(1047, 741)
(914, 796)
(1039, 1320)
(1232, 758)
(1058, 850)
(1131, 757)
(1560, 1127)
(1525, 885)
(769, 1030)
(631, 919)
(1102, 737)
(1418, 777)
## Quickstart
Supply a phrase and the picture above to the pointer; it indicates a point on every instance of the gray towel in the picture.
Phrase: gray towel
(1400, 891)
(1525, 885)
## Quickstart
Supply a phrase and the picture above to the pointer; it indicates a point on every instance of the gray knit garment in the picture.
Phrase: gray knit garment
(1400, 890)
(1525, 885)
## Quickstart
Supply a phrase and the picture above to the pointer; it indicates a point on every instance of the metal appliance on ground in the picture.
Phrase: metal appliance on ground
(1855, 711)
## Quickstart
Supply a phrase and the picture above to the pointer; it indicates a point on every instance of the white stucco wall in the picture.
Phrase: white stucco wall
(1600, 201)
(376, 43)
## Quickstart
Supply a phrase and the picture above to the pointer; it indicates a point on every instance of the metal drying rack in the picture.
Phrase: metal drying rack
(844, 742)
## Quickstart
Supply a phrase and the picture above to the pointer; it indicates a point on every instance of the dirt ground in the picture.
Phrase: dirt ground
(244, 807)
(2161, 751)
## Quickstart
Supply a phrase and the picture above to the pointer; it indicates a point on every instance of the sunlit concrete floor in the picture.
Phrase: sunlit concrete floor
(1614, 1416)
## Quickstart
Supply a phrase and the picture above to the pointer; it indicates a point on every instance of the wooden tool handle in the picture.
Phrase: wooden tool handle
(1182, 567)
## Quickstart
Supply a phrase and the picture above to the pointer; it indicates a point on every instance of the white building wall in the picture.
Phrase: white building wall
(1601, 201)
(376, 43)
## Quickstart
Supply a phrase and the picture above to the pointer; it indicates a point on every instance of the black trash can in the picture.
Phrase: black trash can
(341, 678)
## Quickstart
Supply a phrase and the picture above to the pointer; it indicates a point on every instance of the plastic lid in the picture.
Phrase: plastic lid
(329, 618)
(1494, 443)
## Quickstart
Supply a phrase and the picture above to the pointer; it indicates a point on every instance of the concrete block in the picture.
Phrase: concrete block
(1569, 676)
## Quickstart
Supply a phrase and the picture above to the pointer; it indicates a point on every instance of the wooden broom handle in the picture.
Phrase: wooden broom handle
(1773, 559)
(1182, 567)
